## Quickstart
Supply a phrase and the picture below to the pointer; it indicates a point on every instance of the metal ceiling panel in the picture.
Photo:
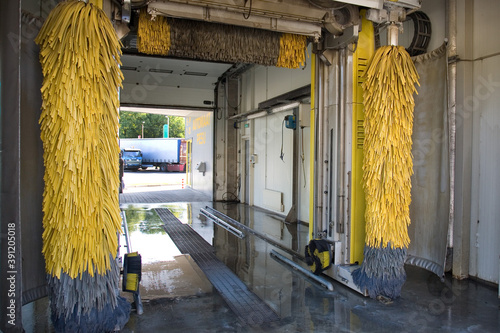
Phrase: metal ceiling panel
(169, 83)
(298, 17)
(144, 70)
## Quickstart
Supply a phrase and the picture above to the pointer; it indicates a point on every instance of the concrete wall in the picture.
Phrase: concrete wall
(476, 223)
(200, 130)
(271, 173)
(22, 161)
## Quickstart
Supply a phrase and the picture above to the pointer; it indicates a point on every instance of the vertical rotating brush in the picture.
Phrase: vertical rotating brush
(387, 166)
(80, 58)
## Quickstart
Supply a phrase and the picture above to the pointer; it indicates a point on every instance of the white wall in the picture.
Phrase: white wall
(270, 172)
(483, 106)
(304, 173)
(200, 129)
(164, 95)
(262, 83)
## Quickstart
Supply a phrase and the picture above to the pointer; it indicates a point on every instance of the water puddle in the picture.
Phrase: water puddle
(303, 305)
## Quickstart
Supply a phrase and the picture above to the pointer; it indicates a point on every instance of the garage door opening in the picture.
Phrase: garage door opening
(166, 111)
(158, 153)
(153, 151)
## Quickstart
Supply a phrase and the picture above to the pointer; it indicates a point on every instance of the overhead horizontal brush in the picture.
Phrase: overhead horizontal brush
(218, 42)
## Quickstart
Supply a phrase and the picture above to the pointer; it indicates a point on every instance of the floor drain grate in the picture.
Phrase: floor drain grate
(244, 303)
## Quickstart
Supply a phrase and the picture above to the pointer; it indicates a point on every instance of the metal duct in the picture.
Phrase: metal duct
(288, 17)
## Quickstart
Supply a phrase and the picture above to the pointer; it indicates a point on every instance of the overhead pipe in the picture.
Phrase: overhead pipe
(326, 157)
(260, 235)
(392, 34)
(452, 83)
(223, 224)
(341, 151)
(312, 153)
(319, 161)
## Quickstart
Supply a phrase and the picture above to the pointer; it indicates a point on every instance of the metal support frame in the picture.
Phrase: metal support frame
(228, 13)
(349, 36)
(392, 34)
(11, 289)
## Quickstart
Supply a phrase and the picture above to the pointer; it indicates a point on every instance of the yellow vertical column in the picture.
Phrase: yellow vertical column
(97, 3)
(361, 57)
(189, 148)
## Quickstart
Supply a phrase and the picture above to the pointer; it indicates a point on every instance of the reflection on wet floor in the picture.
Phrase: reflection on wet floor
(179, 277)
(178, 297)
(166, 273)
(427, 304)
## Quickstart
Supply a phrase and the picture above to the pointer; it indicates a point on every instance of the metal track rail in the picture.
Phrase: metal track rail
(223, 224)
(253, 232)
(308, 274)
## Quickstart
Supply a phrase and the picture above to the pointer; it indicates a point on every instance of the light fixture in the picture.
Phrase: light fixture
(128, 68)
(159, 70)
(195, 73)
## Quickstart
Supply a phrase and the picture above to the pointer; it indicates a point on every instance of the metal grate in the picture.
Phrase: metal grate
(249, 308)
(183, 195)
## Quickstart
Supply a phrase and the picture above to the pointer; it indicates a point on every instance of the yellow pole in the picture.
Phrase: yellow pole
(363, 53)
(97, 3)
(312, 147)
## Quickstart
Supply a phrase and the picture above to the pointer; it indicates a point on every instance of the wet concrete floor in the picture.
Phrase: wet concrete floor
(177, 297)
(426, 304)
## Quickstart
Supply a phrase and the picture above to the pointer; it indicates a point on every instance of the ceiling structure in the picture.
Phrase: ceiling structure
(171, 84)
(160, 73)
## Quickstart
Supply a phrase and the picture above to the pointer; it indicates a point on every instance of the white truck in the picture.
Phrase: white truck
(166, 154)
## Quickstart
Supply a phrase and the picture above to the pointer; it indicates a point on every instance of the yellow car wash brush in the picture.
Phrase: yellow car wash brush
(193, 39)
(80, 58)
(387, 166)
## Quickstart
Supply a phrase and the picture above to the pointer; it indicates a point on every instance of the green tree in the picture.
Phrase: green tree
(131, 125)
(177, 126)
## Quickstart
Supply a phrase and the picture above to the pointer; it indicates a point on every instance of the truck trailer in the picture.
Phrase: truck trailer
(165, 154)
